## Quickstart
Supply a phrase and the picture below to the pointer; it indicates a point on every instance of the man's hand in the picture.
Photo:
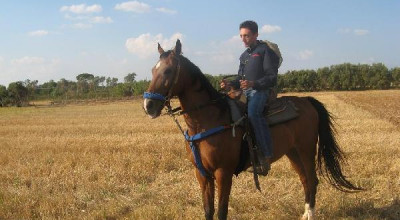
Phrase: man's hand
(224, 84)
(245, 84)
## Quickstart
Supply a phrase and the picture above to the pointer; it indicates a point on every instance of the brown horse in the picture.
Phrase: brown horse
(205, 108)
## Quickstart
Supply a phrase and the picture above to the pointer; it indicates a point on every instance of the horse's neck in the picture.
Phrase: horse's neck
(201, 119)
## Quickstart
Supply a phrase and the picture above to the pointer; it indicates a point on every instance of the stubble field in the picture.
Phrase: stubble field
(110, 161)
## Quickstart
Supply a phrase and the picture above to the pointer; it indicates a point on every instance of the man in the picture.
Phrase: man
(257, 74)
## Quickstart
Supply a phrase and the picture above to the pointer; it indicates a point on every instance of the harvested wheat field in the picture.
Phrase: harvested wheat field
(110, 161)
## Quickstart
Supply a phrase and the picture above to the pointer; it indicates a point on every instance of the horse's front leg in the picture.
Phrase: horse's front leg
(207, 190)
(224, 184)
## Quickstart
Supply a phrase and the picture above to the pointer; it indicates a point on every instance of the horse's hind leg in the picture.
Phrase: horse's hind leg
(305, 168)
(207, 190)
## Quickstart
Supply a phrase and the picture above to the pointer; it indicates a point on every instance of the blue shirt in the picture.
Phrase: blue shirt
(259, 64)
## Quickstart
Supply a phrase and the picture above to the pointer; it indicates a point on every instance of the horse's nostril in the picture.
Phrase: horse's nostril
(149, 104)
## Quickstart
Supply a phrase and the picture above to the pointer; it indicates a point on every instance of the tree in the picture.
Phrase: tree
(395, 72)
(47, 89)
(323, 78)
(308, 80)
(85, 81)
(140, 87)
(18, 94)
(84, 77)
(3, 96)
(381, 77)
(130, 78)
(32, 87)
(111, 82)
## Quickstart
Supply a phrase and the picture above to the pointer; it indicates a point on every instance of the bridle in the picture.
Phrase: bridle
(192, 140)
(166, 99)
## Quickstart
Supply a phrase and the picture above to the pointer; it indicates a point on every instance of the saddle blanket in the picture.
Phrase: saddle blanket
(279, 111)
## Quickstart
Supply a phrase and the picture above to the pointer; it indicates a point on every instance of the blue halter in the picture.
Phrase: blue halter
(157, 96)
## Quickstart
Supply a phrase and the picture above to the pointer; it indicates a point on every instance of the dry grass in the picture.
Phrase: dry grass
(383, 103)
(110, 161)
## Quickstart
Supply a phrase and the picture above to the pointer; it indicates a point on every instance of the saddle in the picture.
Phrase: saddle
(276, 111)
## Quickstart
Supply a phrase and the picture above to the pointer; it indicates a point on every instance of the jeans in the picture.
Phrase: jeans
(256, 100)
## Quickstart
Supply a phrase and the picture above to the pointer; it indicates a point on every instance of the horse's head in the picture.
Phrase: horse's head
(163, 84)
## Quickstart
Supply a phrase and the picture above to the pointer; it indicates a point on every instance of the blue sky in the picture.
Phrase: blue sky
(43, 40)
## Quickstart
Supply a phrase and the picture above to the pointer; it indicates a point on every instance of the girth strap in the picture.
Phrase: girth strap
(194, 148)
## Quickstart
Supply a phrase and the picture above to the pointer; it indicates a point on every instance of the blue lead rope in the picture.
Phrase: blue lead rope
(194, 148)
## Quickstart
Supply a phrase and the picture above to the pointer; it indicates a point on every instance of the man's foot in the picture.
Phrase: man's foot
(261, 169)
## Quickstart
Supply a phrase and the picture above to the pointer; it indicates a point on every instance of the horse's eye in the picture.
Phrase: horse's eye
(168, 72)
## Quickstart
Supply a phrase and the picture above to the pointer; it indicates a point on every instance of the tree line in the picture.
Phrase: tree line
(88, 86)
(342, 77)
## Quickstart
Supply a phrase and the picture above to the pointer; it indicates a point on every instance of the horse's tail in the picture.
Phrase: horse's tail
(330, 156)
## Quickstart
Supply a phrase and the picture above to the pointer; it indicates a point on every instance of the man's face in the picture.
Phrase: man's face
(248, 37)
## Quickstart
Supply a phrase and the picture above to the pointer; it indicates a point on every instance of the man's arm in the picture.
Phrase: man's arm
(236, 82)
(270, 73)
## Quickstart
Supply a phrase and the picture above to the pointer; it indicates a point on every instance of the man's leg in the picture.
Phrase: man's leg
(256, 103)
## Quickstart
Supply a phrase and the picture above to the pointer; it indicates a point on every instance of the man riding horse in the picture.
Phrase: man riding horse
(257, 75)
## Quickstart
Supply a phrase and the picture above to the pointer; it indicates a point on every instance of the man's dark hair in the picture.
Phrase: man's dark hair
(251, 25)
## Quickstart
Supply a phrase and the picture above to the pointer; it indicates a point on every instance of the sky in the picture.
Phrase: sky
(50, 40)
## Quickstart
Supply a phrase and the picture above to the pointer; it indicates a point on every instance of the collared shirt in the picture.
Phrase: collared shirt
(257, 63)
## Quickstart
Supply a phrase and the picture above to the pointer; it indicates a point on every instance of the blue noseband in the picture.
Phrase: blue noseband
(150, 95)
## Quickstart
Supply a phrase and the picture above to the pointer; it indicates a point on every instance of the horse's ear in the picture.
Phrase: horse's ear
(178, 47)
(160, 50)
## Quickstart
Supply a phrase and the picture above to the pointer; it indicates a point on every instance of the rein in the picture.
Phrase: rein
(178, 110)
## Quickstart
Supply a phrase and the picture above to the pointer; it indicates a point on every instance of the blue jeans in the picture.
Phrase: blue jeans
(255, 105)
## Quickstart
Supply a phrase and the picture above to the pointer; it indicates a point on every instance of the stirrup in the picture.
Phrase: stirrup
(260, 169)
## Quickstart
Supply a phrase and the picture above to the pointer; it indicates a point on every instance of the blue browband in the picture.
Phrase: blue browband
(151, 95)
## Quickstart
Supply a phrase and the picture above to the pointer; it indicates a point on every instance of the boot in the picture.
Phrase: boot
(262, 168)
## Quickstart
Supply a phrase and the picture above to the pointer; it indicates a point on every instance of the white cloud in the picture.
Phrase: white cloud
(217, 56)
(30, 67)
(101, 20)
(360, 32)
(133, 6)
(38, 33)
(344, 30)
(166, 11)
(223, 57)
(234, 40)
(369, 60)
(223, 53)
(27, 61)
(145, 45)
(82, 9)
(234, 44)
(82, 26)
(270, 28)
(305, 54)
(74, 18)
(83, 15)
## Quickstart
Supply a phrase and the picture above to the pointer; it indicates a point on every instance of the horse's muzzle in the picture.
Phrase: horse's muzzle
(153, 107)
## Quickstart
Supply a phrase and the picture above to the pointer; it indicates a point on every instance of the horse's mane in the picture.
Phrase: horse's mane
(197, 75)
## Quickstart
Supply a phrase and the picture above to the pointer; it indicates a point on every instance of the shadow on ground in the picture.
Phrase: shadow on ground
(366, 210)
